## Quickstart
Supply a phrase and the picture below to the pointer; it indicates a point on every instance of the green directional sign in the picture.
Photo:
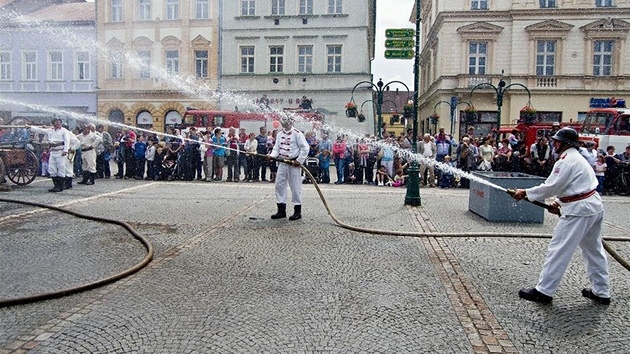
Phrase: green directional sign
(399, 54)
(399, 43)
(399, 33)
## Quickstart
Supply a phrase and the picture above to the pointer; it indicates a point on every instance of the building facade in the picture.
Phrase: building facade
(556, 55)
(47, 62)
(156, 57)
(287, 49)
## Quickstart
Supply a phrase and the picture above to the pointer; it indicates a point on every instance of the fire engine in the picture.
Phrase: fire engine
(530, 131)
(251, 121)
(607, 124)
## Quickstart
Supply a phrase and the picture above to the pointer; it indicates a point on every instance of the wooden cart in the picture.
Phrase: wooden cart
(17, 161)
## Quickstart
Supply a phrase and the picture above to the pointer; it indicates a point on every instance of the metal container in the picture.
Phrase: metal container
(496, 205)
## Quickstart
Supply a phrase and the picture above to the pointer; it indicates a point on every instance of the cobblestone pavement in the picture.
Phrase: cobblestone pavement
(227, 279)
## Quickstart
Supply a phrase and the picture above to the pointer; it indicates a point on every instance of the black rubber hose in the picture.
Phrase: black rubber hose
(608, 248)
(89, 286)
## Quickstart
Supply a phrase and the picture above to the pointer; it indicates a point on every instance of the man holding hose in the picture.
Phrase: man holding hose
(573, 182)
(290, 145)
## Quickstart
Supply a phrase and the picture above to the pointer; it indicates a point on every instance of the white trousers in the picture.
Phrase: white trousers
(88, 161)
(57, 164)
(292, 176)
(571, 232)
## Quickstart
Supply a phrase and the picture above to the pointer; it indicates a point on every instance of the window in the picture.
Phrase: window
(276, 59)
(172, 9)
(116, 65)
(602, 58)
(545, 57)
(334, 6)
(202, 9)
(117, 11)
(477, 55)
(277, 7)
(305, 58)
(247, 60)
(333, 57)
(55, 68)
(603, 3)
(172, 62)
(479, 5)
(30, 65)
(5, 66)
(83, 66)
(306, 7)
(201, 63)
(145, 64)
(547, 4)
(248, 7)
(144, 10)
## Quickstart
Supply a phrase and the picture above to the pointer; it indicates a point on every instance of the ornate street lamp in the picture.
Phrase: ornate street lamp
(500, 91)
(412, 197)
(453, 107)
(379, 88)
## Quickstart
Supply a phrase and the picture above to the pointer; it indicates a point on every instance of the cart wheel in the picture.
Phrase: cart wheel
(622, 184)
(24, 174)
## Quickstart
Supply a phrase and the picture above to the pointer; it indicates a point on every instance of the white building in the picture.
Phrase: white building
(288, 49)
(565, 52)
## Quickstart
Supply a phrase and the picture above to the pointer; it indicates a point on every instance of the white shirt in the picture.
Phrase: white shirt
(291, 145)
(56, 136)
(571, 175)
(428, 149)
(91, 140)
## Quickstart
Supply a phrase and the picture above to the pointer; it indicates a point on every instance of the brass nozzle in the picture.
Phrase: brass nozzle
(511, 192)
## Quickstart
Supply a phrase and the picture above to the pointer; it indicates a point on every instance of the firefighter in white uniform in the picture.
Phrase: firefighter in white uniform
(89, 141)
(574, 184)
(59, 140)
(291, 145)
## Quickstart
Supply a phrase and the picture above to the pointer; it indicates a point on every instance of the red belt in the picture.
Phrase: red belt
(575, 198)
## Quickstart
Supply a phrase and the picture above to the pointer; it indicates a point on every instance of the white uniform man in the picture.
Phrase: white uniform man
(573, 182)
(59, 140)
(89, 141)
(427, 149)
(291, 145)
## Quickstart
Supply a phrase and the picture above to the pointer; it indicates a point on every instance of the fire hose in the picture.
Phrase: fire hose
(88, 286)
(607, 247)
(150, 250)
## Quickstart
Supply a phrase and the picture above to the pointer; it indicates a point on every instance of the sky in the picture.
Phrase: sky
(392, 14)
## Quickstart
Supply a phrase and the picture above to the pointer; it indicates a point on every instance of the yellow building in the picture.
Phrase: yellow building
(156, 58)
(556, 55)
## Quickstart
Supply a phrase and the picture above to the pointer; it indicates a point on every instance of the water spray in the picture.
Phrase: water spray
(552, 209)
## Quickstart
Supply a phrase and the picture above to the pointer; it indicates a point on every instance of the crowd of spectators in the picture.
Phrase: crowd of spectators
(207, 154)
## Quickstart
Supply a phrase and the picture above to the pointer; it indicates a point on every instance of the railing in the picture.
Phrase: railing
(546, 81)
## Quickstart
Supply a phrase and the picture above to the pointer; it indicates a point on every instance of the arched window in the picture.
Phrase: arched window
(172, 119)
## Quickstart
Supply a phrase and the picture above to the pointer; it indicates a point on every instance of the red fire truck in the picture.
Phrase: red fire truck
(607, 124)
(251, 121)
(530, 131)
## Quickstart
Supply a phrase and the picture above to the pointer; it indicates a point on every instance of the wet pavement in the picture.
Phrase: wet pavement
(227, 279)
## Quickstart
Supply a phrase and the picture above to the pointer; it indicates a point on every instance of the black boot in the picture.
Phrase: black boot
(282, 211)
(58, 183)
(91, 176)
(67, 182)
(297, 213)
(85, 178)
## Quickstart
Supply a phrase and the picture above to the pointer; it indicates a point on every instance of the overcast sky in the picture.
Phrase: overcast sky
(392, 14)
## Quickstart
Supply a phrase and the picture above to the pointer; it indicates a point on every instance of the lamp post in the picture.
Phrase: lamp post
(500, 90)
(412, 197)
(379, 88)
(453, 107)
